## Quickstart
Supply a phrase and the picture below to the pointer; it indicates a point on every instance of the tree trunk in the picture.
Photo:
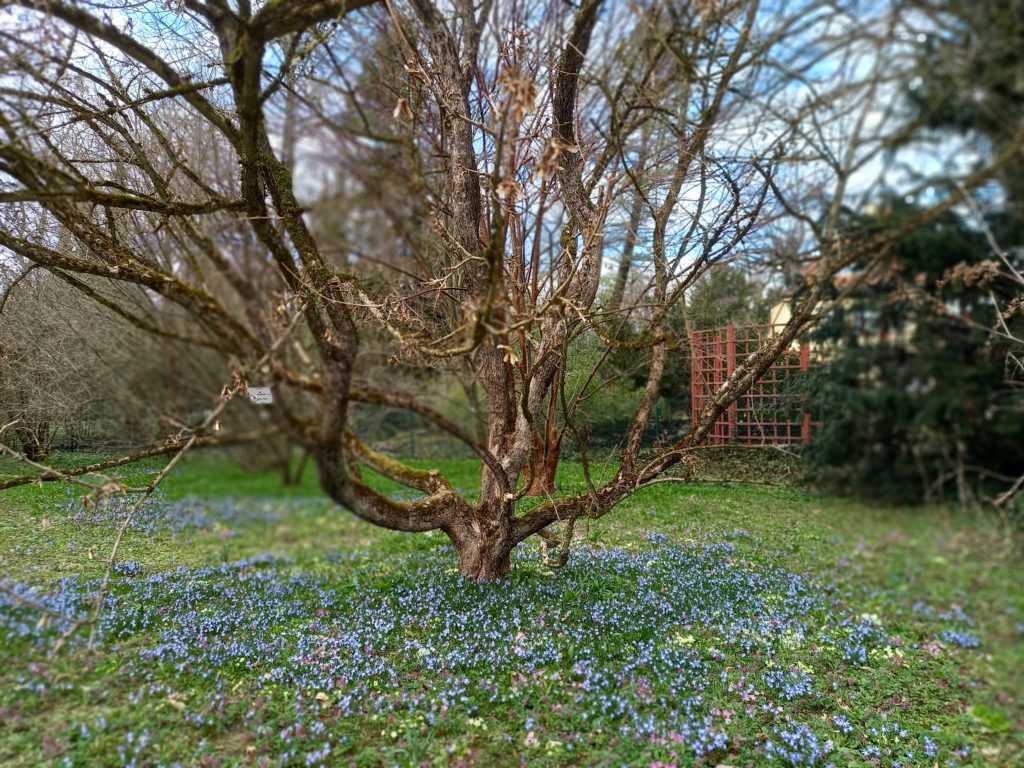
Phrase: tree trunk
(35, 444)
(636, 214)
(544, 465)
(546, 450)
(484, 545)
(285, 469)
(479, 419)
(34, 452)
(301, 469)
(290, 478)
(626, 260)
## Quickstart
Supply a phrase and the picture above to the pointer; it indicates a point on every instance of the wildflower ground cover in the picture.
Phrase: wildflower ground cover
(710, 624)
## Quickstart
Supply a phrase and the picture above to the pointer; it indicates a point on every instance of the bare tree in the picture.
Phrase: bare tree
(483, 155)
(71, 371)
(1001, 277)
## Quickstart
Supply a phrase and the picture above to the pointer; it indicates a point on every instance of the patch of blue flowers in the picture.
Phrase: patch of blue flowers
(842, 722)
(959, 624)
(789, 684)
(128, 568)
(796, 744)
(610, 638)
(963, 639)
(160, 515)
(863, 635)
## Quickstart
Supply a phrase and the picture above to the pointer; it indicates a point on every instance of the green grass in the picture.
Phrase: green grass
(866, 559)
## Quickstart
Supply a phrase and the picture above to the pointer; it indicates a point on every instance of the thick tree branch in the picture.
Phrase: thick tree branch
(161, 449)
(285, 17)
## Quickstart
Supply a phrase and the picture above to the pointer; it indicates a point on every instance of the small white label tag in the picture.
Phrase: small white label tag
(260, 395)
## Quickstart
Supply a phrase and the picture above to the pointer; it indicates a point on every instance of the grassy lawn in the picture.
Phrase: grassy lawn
(703, 624)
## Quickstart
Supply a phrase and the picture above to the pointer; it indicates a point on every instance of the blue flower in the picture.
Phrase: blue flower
(963, 639)
(843, 724)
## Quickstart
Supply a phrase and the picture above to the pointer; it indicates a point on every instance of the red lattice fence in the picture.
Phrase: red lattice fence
(773, 411)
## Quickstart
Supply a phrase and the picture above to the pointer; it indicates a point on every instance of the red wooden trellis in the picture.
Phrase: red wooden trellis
(770, 413)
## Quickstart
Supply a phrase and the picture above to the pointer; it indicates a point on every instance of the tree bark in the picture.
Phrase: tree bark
(544, 465)
(629, 246)
(484, 543)
(35, 442)
(547, 448)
